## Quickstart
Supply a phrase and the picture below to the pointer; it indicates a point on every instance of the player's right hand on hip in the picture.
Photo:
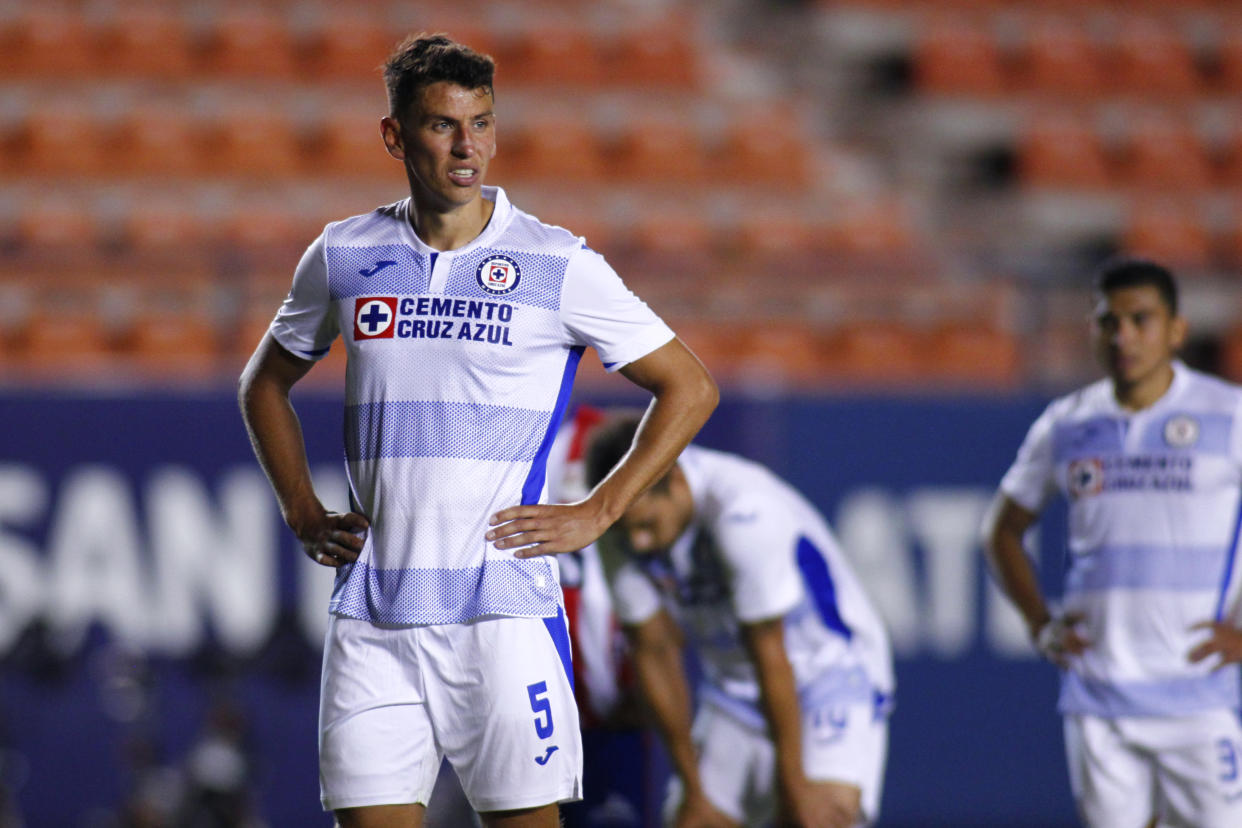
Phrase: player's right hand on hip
(1058, 640)
(334, 539)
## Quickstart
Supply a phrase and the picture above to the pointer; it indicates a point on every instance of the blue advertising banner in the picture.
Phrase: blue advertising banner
(159, 628)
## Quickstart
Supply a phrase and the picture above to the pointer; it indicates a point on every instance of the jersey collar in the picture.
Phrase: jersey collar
(496, 225)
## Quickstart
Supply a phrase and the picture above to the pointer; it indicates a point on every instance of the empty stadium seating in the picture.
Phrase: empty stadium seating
(206, 143)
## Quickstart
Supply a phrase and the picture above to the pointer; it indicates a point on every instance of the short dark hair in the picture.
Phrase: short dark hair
(1128, 272)
(607, 444)
(423, 59)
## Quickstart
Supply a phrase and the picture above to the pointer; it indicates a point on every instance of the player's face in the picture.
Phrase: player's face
(446, 139)
(1136, 335)
(657, 517)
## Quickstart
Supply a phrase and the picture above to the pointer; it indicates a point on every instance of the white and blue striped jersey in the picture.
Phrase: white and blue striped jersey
(1153, 534)
(756, 549)
(460, 365)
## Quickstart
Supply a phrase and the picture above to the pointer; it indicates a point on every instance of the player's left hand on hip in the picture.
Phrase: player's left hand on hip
(1225, 642)
(545, 529)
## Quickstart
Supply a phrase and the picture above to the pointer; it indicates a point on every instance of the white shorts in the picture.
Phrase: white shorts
(493, 696)
(1187, 770)
(737, 763)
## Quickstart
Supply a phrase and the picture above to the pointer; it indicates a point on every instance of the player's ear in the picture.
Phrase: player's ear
(390, 130)
(1178, 330)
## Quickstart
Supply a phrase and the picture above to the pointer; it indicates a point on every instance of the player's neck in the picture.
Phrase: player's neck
(1144, 392)
(452, 228)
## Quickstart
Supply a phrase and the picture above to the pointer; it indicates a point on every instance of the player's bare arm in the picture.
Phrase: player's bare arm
(328, 538)
(1004, 527)
(1224, 642)
(803, 802)
(657, 650)
(684, 396)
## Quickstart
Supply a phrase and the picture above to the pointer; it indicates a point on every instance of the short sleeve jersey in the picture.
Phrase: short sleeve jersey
(459, 369)
(757, 550)
(1153, 500)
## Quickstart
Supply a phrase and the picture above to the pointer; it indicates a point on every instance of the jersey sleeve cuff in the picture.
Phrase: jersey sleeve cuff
(635, 349)
(297, 346)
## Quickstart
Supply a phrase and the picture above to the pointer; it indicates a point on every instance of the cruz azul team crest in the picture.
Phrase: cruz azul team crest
(498, 275)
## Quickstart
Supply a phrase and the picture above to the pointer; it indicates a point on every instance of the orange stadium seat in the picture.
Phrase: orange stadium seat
(768, 235)
(973, 354)
(662, 55)
(173, 341)
(348, 142)
(955, 57)
(1230, 59)
(879, 232)
(1229, 157)
(47, 40)
(1165, 154)
(1058, 150)
(348, 44)
(718, 345)
(147, 41)
(1059, 59)
(672, 233)
(74, 339)
(786, 352)
(264, 226)
(554, 55)
(1153, 60)
(164, 224)
(160, 140)
(255, 141)
(61, 139)
(879, 352)
(1230, 240)
(250, 42)
(1170, 233)
(752, 151)
(57, 221)
(551, 146)
(659, 151)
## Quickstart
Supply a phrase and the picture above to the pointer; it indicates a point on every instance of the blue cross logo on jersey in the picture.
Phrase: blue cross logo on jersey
(374, 317)
(498, 274)
(1085, 477)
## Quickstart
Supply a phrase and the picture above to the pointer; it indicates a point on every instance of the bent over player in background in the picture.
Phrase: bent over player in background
(463, 319)
(798, 681)
(1150, 461)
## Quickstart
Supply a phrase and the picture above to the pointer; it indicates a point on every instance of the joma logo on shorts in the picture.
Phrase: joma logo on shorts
(543, 760)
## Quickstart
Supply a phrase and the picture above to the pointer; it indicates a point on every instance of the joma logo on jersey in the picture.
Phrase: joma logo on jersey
(374, 317)
(498, 275)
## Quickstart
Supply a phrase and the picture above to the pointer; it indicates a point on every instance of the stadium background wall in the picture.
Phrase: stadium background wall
(146, 578)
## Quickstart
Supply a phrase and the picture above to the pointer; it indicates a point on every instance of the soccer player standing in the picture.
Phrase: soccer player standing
(463, 320)
(797, 674)
(1150, 462)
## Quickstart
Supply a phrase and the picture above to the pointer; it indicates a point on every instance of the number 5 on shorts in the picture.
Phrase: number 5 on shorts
(542, 707)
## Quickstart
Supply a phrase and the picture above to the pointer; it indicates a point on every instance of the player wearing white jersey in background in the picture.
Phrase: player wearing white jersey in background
(1150, 462)
(463, 319)
(797, 685)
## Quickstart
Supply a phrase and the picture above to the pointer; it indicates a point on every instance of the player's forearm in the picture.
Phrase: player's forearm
(684, 396)
(1014, 573)
(667, 694)
(778, 699)
(276, 436)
